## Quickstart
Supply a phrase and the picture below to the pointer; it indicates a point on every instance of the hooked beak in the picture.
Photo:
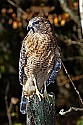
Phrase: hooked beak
(28, 28)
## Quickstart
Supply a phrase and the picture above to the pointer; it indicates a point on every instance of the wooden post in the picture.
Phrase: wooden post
(41, 112)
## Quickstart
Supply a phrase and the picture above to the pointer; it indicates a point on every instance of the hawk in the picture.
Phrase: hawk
(40, 58)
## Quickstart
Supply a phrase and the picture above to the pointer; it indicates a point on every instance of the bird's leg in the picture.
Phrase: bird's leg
(45, 90)
(37, 91)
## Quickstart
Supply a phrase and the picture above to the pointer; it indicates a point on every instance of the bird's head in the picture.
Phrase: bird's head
(39, 24)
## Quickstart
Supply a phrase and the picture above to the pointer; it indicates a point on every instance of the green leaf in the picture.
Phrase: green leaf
(2, 68)
(18, 124)
(80, 122)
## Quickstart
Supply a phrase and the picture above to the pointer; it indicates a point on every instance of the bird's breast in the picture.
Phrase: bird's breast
(40, 54)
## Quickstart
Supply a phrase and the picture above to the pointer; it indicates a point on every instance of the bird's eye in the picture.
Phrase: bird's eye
(37, 22)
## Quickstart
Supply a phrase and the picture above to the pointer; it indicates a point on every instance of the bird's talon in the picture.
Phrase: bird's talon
(40, 96)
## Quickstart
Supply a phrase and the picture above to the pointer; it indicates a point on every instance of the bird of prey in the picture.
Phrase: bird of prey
(40, 58)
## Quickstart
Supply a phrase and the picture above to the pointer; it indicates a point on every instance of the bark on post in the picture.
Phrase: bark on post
(41, 112)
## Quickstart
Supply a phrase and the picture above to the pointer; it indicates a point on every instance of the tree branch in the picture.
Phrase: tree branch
(73, 84)
(15, 5)
(67, 9)
(81, 13)
(62, 112)
(76, 78)
(73, 16)
(68, 41)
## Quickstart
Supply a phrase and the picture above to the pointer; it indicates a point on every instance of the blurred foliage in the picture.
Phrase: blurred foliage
(13, 24)
(80, 122)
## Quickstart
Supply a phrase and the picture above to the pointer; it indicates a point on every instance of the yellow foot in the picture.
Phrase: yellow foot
(45, 91)
(40, 96)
